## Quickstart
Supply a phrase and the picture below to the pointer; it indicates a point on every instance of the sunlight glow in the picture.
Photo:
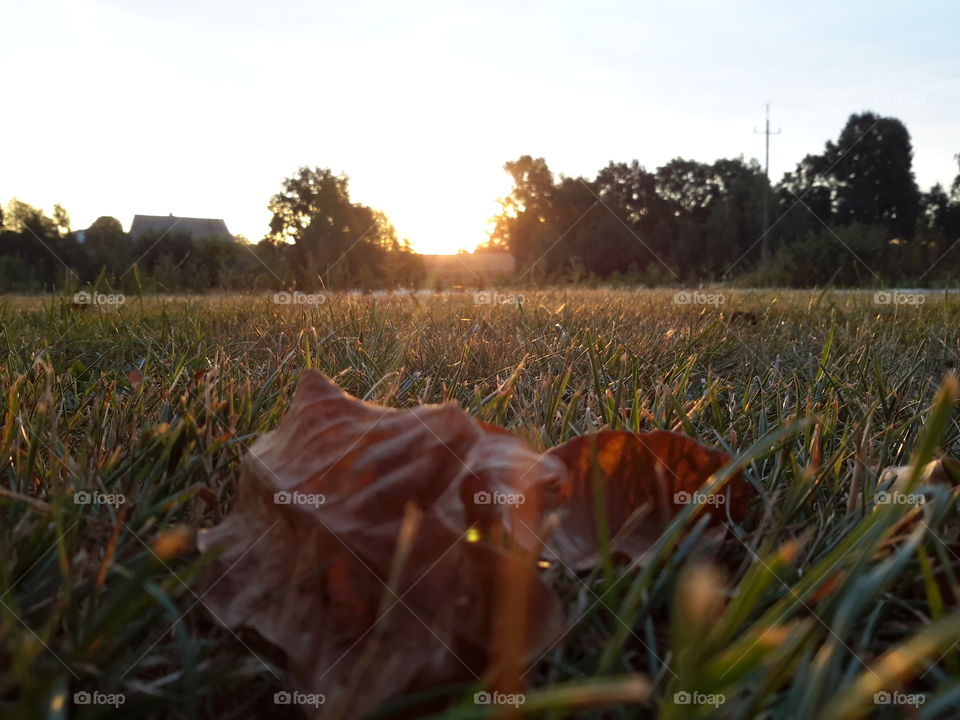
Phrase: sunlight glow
(438, 217)
(198, 134)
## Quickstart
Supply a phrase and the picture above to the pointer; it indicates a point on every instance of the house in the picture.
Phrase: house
(194, 228)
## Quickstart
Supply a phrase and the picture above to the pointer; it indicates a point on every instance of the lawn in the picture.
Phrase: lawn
(829, 596)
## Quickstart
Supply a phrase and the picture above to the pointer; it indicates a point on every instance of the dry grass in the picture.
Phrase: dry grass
(821, 583)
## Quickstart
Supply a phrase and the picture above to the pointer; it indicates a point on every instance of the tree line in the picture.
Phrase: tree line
(850, 215)
(319, 239)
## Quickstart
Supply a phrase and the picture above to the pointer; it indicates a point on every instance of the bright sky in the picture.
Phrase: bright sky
(202, 107)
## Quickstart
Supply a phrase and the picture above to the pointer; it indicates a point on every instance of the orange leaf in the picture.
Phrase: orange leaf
(660, 470)
(408, 539)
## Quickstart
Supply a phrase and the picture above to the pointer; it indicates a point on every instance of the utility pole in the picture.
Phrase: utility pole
(765, 246)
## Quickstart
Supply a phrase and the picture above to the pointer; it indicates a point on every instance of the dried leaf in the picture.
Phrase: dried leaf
(660, 470)
(408, 538)
(311, 574)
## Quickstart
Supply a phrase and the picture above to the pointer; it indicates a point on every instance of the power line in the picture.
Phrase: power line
(765, 247)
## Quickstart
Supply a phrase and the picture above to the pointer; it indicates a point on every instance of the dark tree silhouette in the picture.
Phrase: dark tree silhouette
(865, 177)
(631, 191)
(524, 224)
(335, 241)
(108, 247)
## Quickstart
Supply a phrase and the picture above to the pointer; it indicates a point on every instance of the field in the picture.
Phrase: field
(830, 597)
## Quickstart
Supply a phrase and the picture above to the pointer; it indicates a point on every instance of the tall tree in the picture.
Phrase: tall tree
(334, 240)
(108, 246)
(37, 240)
(873, 161)
(955, 188)
(688, 190)
(735, 223)
(525, 224)
(939, 221)
(630, 191)
(61, 219)
(865, 177)
(688, 186)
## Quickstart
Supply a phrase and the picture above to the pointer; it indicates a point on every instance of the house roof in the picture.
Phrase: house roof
(196, 228)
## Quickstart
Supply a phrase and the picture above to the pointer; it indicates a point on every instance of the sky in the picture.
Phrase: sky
(201, 108)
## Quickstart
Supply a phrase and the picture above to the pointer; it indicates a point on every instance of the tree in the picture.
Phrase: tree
(629, 191)
(939, 222)
(688, 187)
(61, 218)
(865, 177)
(37, 240)
(851, 255)
(107, 246)
(955, 188)
(334, 240)
(20, 217)
(687, 218)
(804, 198)
(524, 222)
(873, 161)
(735, 223)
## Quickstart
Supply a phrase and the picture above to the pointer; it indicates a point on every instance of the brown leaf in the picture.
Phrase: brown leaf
(311, 574)
(658, 470)
(390, 550)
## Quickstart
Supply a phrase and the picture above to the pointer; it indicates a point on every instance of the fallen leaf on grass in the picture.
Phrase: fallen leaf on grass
(308, 569)
(390, 550)
(661, 471)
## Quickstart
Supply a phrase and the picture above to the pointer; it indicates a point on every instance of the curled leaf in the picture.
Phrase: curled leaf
(656, 472)
(406, 541)
(310, 551)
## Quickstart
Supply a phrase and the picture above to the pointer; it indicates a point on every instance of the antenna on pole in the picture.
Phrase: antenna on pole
(765, 242)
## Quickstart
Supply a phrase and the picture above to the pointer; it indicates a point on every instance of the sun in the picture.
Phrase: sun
(448, 233)
(444, 220)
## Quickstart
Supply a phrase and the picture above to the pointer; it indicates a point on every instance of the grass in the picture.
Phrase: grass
(829, 598)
